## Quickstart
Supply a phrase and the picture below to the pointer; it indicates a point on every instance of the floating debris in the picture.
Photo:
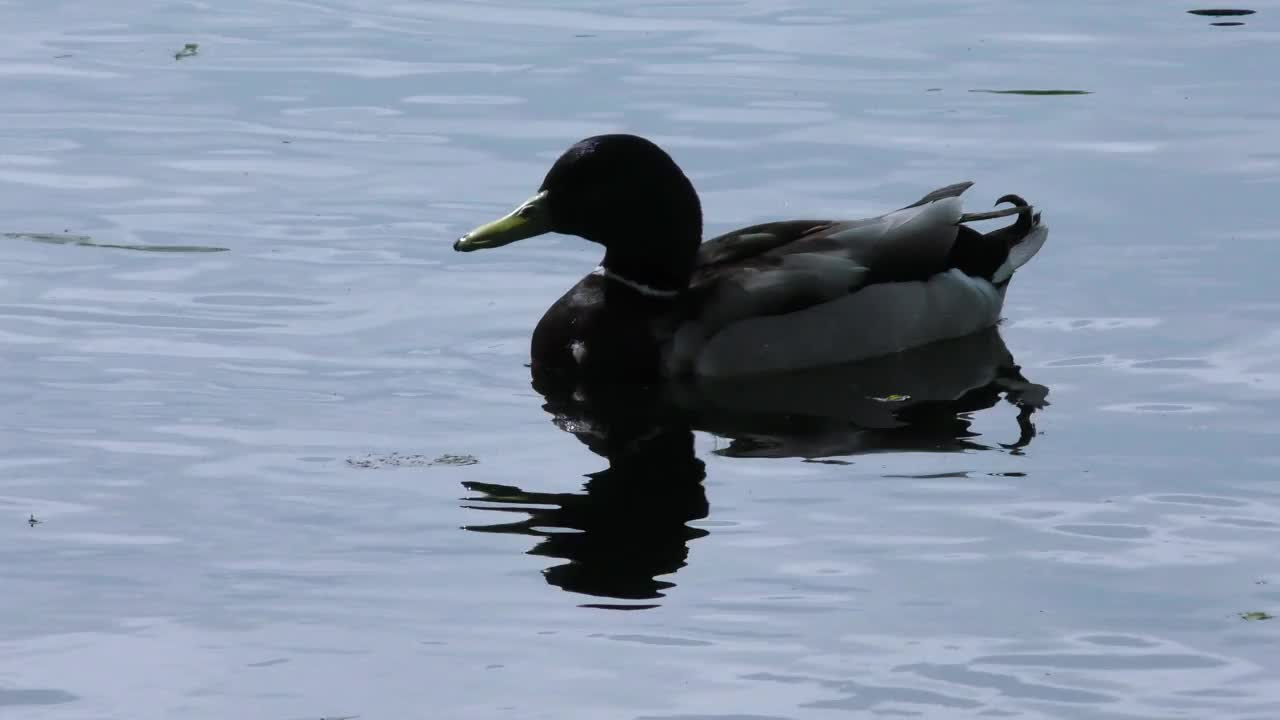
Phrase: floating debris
(32, 521)
(1256, 615)
(188, 50)
(86, 241)
(373, 462)
(459, 460)
(1221, 12)
(1034, 92)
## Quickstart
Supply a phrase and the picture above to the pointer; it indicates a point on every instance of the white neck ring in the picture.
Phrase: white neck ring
(646, 290)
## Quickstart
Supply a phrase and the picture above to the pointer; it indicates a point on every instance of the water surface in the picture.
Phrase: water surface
(235, 451)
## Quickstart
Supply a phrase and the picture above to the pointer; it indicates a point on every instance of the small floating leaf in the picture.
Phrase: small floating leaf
(1221, 12)
(1035, 92)
(86, 241)
(187, 51)
(1256, 615)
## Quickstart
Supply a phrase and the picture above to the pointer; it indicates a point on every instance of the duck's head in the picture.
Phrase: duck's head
(621, 191)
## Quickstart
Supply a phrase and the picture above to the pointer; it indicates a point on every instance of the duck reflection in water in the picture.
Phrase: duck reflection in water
(630, 525)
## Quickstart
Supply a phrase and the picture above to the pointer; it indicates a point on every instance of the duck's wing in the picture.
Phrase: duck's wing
(914, 241)
(781, 267)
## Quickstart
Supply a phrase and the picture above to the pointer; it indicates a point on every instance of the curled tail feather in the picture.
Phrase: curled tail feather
(1023, 238)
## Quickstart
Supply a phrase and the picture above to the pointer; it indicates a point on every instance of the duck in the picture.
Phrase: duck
(665, 305)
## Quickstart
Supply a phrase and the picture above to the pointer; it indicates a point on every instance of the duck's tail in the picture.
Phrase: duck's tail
(1021, 240)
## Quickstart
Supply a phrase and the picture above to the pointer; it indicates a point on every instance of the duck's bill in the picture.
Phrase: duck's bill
(528, 220)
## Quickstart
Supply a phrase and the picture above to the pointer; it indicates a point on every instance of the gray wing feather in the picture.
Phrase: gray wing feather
(778, 268)
(942, 193)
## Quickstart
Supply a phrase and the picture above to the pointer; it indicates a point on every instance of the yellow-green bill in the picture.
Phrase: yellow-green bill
(531, 218)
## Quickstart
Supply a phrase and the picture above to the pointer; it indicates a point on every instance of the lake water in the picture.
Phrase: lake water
(270, 449)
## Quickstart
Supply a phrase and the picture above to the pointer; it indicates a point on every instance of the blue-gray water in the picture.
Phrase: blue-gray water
(230, 455)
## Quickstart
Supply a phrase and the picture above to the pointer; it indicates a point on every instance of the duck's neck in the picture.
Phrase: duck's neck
(657, 263)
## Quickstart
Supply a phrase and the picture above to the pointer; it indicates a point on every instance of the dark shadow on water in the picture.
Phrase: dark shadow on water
(1034, 93)
(629, 526)
(918, 401)
(1222, 12)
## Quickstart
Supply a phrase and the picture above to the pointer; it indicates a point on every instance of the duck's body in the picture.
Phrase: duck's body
(772, 297)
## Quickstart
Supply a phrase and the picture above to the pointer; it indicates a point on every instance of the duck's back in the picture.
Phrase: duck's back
(785, 295)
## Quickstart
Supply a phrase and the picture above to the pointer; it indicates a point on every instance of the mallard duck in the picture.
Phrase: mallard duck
(777, 296)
